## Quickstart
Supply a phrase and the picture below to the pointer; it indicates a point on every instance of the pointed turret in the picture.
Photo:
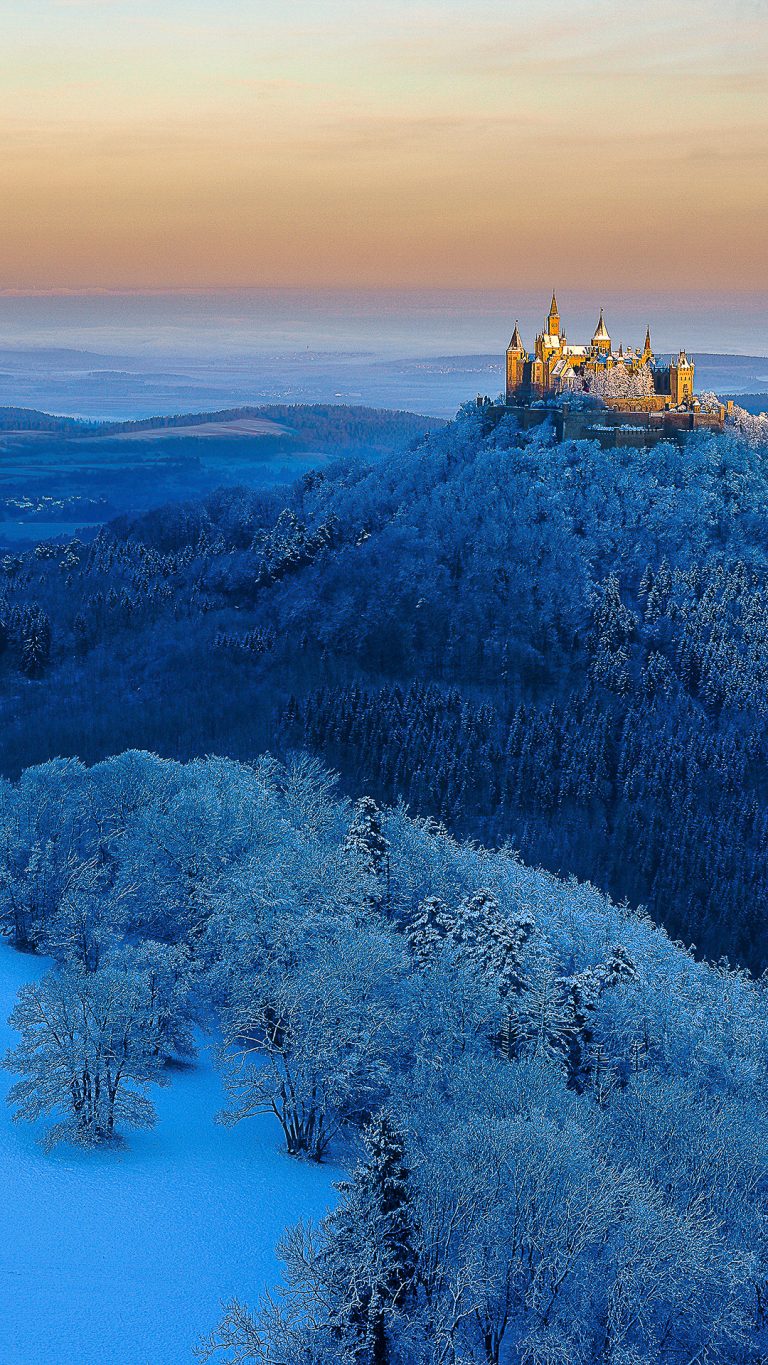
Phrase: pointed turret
(553, 318)
(601, 331)
(517, 357)
(601, 340)
(516, 344)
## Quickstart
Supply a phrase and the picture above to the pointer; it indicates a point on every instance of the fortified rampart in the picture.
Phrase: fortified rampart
(610, 426)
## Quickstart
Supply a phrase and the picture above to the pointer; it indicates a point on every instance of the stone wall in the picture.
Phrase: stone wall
(614, 427)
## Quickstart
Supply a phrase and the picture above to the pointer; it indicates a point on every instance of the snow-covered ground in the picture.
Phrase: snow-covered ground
(123, 1258)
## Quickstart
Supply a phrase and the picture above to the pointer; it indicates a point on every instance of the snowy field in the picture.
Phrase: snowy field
(123, 1258)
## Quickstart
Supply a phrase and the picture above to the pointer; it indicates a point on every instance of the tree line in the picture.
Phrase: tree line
(552, 1117)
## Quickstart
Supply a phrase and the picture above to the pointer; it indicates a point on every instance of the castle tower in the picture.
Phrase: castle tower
(516, 358)
(601, 341)
(681, 373)
(553, 318)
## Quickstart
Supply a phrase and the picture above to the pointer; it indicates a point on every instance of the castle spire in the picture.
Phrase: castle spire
(553, 318)
(601, 341)
(601, 331)
(517, 360)
(516, 344)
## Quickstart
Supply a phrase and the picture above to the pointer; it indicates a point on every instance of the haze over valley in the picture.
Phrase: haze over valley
(127, 356)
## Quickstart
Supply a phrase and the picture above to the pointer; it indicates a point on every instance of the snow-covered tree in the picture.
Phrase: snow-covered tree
(366, 835)
(36, 643)
(45, 853)
(167, 975)
(541, 1022)
(90, 917)
(350, 1279)
(621, 381)
(426, 933)
(586, 1059)
(753, 426)
(310, 1034)
(614, 628)
(491, 941)
(88, 1050)
(367, 844)
(174, 868)
(371, 1256)
(658, 591)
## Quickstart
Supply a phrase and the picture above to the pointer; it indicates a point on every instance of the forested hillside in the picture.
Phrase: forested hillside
(58, 474)
(555, 647)
(555, 1118)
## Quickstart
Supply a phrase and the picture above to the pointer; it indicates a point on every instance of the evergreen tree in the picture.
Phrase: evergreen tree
(542, 1024)
(613, 630)
(426, 933)
(371, 1254)
(36, 644)
(366, 835)
(367, 842)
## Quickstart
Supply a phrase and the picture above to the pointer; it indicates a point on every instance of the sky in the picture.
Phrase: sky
(383, 143)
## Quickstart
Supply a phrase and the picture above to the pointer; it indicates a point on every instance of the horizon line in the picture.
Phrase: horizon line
(163, 291)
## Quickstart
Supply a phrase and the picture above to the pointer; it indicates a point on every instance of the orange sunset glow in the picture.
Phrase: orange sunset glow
(438, 144)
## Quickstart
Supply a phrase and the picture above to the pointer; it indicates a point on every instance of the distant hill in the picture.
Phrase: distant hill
(325, 421)
(726, 373)
(111, 388)
(68, 474)
(29, 420)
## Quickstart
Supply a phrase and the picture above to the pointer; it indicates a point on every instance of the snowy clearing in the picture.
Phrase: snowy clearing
(123, 1258)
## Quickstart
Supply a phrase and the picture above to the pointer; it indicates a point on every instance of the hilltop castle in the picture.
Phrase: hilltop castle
(629, 380)
(592, 392)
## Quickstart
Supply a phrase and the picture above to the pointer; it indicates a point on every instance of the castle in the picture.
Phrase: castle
(628, 380)
(592, 392)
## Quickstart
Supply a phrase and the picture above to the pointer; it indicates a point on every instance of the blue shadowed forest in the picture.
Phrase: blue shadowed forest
(414, 772)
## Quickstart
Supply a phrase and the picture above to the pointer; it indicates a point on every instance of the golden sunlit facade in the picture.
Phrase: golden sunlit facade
(627, 379)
